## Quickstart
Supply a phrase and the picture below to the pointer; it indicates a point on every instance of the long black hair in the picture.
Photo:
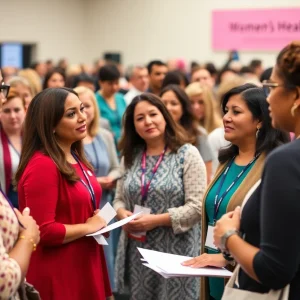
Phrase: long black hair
(268, 137)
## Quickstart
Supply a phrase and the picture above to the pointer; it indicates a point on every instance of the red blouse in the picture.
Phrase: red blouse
(72, 271)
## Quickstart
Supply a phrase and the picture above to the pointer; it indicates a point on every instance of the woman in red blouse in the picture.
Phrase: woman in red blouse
(55, 182)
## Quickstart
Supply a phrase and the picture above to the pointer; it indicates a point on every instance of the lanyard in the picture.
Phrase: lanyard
(12, 207)
(145, 187)
(218, 201)
(88, 186)
(17, 152)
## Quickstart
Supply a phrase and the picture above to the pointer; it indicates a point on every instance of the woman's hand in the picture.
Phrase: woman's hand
(229, 221)
(123, 213)
(31, 229)
(204, 260)
(143, 223)
(94, 223)
(106, 182)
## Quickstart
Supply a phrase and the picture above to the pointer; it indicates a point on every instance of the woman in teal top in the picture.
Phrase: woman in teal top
(248, 127)
(110, 103)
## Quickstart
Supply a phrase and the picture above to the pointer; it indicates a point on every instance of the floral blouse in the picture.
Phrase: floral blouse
(10, 272)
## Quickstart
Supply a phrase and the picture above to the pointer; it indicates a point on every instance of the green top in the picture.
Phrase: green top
(113, 116)
(216, 285)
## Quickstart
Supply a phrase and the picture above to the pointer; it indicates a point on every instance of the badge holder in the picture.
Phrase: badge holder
(209, 243)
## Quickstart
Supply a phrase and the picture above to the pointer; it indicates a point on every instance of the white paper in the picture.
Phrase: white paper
(100, 239)
(170, 265)
(114, 225)
(107, 213)
(145, 211)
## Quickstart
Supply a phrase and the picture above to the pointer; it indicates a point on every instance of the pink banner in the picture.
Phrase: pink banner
(254, 29)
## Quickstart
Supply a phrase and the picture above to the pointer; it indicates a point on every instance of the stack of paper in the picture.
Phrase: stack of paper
(169, 265)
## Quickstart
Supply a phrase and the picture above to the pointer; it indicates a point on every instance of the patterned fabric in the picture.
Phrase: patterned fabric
(10, 272)
(177, 188)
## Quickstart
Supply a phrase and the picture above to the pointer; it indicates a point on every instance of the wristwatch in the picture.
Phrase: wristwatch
(225, 237)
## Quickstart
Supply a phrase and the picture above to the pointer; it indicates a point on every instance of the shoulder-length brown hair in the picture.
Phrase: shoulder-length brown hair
(130, 140)
(44, 113)
(187, 120)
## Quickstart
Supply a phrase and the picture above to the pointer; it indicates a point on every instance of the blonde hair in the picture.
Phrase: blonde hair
(227, 85)
(33, 79)
(93, 127)
(211, 119)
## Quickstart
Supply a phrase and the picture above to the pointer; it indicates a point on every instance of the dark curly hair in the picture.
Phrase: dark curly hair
(288, 65)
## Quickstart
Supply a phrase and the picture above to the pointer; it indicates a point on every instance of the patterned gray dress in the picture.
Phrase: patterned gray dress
(177, 187)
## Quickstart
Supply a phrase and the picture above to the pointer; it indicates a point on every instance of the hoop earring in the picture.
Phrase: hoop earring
(257, 133)
(295, 106)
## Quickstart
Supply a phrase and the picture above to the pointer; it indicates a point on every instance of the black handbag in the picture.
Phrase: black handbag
(27, 291)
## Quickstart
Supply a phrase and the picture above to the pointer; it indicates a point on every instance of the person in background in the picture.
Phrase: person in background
(179, 106)
(175, 77)
(266, 74)
(12, 117)
(19, 237)
(111, 104)
(49, 65)
(84, 80)
(156, 155)
(139, 81)
(54, 79)
(9, 72)
(23, 88)
(33, 79)
(248, 127)
(63, 64)
(55, 181)
(101, 152)
(203, 76)
(268, 246)
(41, 69)
(203, 106)
(157, 71)
(257, 67)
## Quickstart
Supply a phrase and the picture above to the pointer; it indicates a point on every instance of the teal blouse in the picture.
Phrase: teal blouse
(216, 285)
(113, 116)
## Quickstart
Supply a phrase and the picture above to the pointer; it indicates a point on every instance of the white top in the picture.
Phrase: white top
(216, 141)
(131, 94)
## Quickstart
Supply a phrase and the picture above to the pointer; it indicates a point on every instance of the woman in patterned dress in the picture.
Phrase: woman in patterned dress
(16, 243)
(173, 175)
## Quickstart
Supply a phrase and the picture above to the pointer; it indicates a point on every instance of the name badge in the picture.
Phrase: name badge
(209, 243)
(140, 236)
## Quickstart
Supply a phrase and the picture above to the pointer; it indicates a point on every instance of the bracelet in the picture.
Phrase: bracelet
(23, 237)
(230, 260)
(227, 256)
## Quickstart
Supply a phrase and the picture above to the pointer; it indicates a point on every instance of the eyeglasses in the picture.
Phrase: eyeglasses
(4, 89)
(268, 86)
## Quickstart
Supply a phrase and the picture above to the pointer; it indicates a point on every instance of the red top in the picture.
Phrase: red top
(72, 271)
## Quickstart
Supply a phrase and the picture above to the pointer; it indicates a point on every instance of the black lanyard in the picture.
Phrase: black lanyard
(88, 186)
(218, 201)
(145, 186)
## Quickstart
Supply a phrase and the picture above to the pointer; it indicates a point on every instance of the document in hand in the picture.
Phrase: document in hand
(169, 265)
(115, 225)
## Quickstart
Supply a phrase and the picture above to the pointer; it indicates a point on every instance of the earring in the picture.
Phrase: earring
(295, 106)
(53, 131)
(257, 132)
